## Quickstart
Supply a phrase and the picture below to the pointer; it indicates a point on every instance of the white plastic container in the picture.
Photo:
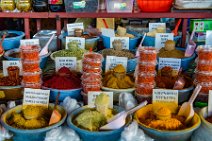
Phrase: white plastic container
(115, 6)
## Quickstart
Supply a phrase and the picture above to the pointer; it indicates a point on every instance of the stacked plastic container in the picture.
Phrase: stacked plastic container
(91, 76)
(204, 70)
(145, 76)
(31, 69)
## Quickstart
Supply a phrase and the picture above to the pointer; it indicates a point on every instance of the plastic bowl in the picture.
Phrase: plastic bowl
(34, 134)
(11, 92)
(85, 135)
(207, 126)
(161, 135)
(13, 42)
(73, 93)
(133, 42)
(43, 59)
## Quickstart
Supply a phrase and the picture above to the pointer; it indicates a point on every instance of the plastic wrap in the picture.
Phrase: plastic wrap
(70, 104)
(133, 133)
(201, 134)
(127, 101)
(62, 134)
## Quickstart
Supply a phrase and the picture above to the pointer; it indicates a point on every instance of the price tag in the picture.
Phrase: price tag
(29, 42)
(72, 27)
(164, 95)
(172, 62)
(92, 96)
(161, 38)
(124, 40)
(112, 61)
(210, 103)
(80, 41)
(7, 64)
(208, 40)
(153, 26)
(69, 62)
(108, 32)
(36, 97)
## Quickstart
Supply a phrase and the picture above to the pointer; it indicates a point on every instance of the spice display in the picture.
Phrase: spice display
(169, 51)
(93, 119)
(31, 77)
(30, 53)
(205, 52)
(117, 78)
(31, 66)
(122, 32)
(32, 85)
(144, 89)
(31, 117)
(91, 78)
(143, 77)
(162, 116)
(160, 29)
(146, 67)
(119, 53)
(206, 86)
(89, 86)
(94, 59)
(63, 79)
(147, 54)
(204, 65)
(203, 76)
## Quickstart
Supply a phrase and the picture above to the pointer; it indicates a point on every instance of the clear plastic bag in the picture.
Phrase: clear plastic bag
(4, 134)
(70, 104)
(127, 101)
(62, 134)
(133, 133)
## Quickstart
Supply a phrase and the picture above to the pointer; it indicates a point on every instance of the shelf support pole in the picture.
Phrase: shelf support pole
(38, 24)
(184, 32)
(58, 26)
(26, 28)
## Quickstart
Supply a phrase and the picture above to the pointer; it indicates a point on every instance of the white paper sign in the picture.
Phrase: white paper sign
(172, 62)
(164, 95)
(112, 61)
(208, 40)
(69, 62)
(36, 97)
(29, 42)
(108, 32)
(7, 64)
(80, 41)
(92, 96)
(161, 38)
(210, 103)
(124, 40)
(153, 26)
(72, 27)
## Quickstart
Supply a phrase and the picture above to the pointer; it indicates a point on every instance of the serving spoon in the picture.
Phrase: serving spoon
(45, 48)
(187, 109)
(119, 120)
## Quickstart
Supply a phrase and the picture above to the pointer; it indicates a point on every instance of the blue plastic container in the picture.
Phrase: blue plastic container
(13, 42)
(73, 93)
(43, 58)
(133, 41)
(33, 134)
(85, 135)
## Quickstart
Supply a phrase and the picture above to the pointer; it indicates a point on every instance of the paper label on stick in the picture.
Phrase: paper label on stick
(80, 41)
(36, 97)
(92, 96)
(29, 42)
(112, 61)
(72, 27)
(172, 62)
(7, 64)
(153, 26)
(164, 95)
(161, 38)
(69, 62)
(108, 32)
(208, 40)
(124, 40)
(210, 103)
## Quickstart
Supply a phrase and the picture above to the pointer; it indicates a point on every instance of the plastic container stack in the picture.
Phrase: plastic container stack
(91, 76)
(204, 70)
(31, 69)
(145, 76)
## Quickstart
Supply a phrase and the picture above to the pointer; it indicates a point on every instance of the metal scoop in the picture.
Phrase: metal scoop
(119, 120)
(45, 48)
(187, 109)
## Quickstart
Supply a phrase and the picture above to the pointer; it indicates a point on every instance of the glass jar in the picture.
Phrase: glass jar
(7, 5)
(24, 5)
(56, 5)
(40, 5)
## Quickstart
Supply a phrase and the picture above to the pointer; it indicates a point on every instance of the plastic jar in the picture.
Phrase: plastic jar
(143, 77)
(203, 76)
(40, 5)
(30, 53)
(204, 65)
(147, 66)
(32, 85)
(56, 5)
(205, 52)
(93, 59)
(90, 69)
(31, 77)
(144, 89)
(91, 87)
(147, 54)
(24, 5)
(205, 87)
(7, 5)
(31, 66)
(91, 78)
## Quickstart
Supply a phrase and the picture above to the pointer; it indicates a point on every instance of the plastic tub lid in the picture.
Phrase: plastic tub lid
(203, 72)
(143, 74)
(204, 84)
(148, 50)
(148, 63)
(29, 48)
(93, 57)
(204, 62)
(145, 85)
(32, 73)
(204, 48)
